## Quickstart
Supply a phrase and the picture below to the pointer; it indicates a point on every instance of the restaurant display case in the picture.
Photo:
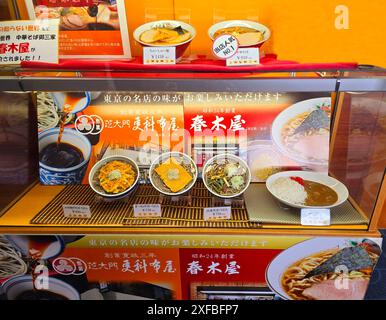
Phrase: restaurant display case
(141, 114)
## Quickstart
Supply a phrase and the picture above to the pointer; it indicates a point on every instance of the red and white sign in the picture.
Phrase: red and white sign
(225, 46)
(29, 41)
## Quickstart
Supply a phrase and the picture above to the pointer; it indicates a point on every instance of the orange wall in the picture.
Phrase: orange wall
(302, 30)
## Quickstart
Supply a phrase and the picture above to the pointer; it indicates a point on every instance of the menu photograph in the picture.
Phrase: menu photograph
(87, 28)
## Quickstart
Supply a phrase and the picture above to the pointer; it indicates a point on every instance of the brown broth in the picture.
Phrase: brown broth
(61, 156)
(70, 102)
(319, 194)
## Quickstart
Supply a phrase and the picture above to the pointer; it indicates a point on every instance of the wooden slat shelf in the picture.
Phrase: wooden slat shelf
(16, 219)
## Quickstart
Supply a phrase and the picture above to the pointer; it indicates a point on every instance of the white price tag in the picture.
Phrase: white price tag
(225, 46)
(147, 210)
(35, 40)
(315, 217)
(76, 211)
(245, 57)
(159, 55)
(217, 213)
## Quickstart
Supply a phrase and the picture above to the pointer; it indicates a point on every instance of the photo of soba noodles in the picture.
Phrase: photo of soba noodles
(311, 270)
(299, 128)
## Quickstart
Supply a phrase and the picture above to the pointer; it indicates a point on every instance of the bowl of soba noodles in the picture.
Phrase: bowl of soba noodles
(324, 269)
(300, 127)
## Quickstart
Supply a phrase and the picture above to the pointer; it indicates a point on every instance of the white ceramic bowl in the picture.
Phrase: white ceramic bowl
(180, 47)
(290, 113)
(299, 251)
(222, 157)
(55, 245)
(241, 23)
(60, 98)
(17, 285)
(164, 157)
(322, 178)
(99, 190)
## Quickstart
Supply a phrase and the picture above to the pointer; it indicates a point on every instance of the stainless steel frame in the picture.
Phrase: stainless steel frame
(14, 83)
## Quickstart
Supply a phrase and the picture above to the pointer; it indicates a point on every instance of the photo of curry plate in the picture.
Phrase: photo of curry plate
(114, 177)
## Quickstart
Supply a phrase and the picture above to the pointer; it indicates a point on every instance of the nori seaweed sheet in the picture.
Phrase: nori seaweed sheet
(179, 30)
(317, 119)
(353, 258)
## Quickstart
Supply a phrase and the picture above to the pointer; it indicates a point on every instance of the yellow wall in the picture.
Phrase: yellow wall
(302, 30)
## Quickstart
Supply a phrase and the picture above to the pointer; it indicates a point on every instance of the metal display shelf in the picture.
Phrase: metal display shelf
(361, 80)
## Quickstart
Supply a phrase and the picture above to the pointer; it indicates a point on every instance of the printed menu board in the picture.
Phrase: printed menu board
(88, 28)
(272, 131)
(77, 129)
(196, 267)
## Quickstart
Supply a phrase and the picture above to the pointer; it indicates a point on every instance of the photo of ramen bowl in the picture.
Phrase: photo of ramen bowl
(309, 270)
(248, 33)
(166, 33)
(114, 177)
(300, 127)
(226, 175)
(66, 162)
(22, 288)
(306, 189)
(100, 16)
(71, 102)
(173, 173)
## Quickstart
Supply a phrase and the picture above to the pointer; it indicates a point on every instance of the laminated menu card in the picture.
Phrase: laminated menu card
(88, 28)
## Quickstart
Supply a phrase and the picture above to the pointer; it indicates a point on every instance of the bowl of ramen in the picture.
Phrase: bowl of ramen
(324, 269)
(22, 288)
(299, 128)
(114, 177)
(306, 189)
(248, 33)
(101, 16)
(173, 173)
(44, 12)
(166, 33)
(226, 175)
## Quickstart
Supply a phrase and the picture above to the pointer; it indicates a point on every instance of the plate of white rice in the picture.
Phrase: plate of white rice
(293, 194)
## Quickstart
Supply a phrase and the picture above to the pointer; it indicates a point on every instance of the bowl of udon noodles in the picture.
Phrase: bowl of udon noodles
(324, 269)
(302, 126)
(248, 33)
(166, 33)
(173, 173)
(114, 177)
